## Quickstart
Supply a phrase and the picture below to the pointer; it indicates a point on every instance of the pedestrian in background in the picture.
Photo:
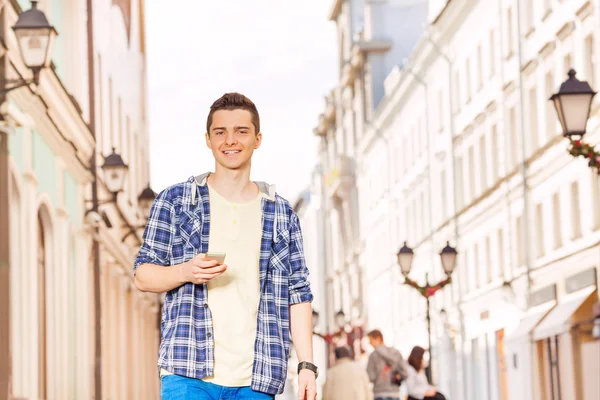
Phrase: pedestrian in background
(386, 368)
(416, 383)
(347, 379)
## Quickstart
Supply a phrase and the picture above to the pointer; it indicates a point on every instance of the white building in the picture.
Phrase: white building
(372, 38)
(465, 147)
(56, 306)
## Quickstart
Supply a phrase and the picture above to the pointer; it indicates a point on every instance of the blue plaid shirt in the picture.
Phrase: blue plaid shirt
(177, 230)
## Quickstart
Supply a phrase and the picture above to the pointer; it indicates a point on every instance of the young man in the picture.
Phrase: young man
(225, 327)
(384, 362)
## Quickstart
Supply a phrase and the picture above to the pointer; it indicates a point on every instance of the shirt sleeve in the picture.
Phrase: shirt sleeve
(158, 235)
(299, 287)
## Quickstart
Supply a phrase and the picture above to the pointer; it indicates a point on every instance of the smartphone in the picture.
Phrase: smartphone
(219, 257)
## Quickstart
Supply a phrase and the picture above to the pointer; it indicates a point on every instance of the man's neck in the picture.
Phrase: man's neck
(234, 185)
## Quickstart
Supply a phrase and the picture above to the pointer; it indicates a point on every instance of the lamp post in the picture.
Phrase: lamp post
(448, 257)
(573, 103)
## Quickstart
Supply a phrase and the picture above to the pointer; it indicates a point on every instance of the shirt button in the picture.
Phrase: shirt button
(209, 335)
(205, 305)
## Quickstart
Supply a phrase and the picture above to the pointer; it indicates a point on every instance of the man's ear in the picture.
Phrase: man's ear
(257, 140)
(207, 137)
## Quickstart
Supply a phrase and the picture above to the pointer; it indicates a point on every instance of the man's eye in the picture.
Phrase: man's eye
(218, 133)
(243, 132)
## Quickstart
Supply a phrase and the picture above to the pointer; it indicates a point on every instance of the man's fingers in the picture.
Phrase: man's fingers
(211, 270)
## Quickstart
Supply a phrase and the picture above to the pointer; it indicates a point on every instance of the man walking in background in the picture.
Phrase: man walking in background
(347, 379)
(386, 368)
(228, 253)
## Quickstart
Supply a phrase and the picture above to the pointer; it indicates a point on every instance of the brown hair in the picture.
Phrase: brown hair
(375, 334)
(234, 101)
(416, 358)
(343, 352)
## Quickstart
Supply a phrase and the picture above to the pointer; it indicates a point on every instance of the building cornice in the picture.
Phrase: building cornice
(335, 10)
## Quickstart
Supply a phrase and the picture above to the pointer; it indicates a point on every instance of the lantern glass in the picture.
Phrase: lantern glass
(448, 258)
(405, 258)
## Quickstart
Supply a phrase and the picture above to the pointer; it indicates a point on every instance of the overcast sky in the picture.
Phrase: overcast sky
(281, 54)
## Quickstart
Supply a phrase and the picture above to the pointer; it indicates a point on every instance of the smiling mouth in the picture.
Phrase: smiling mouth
(230, 152)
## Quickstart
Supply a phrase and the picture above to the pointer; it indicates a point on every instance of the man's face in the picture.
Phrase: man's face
(374, 342)
(232, 138)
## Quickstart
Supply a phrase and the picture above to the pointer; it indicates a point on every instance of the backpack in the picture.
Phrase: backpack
(396, 377)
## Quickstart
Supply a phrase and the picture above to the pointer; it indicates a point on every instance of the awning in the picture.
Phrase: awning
(527, 324)
(557, 320)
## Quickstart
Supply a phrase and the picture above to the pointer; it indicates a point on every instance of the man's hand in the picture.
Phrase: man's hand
(199, 271)
(307, 385)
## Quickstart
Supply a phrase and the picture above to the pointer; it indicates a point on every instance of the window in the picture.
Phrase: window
(501, 258)
(575, 210)
(468, 78)
(533, 118)
(539, 227)
(472, 171)
(550, 112)
(567, 64)
(476, 267)
(479, 68)
(488, 260)
(444, 195)
(509, 33)
(441, 102)
(495, 149)
(459, 183)
(556, 221)
(513, 137)
(492, 47)
(595, 187)
(464, 273)
(43, 258)
(482, 162)
(111, 114)
(519, 236)
(529, 16)
(457, 89)
(589, 56)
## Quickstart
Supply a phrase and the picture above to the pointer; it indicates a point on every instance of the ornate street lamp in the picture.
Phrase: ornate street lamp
(115, 171)
(405, 257)
(573, 102)
(145, 201)
(448, 258)
(35, 37)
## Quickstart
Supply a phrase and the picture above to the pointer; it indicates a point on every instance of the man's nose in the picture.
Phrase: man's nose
(230, 138)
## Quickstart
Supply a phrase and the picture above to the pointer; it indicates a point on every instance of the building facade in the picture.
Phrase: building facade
(48, 139)
(372, 38)
(465, 147)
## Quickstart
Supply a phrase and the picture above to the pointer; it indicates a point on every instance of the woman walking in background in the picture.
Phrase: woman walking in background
(416, 384)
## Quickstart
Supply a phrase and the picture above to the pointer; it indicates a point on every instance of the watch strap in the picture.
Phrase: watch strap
(308, 365)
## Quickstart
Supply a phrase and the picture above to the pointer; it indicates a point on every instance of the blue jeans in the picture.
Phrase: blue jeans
(176, 387)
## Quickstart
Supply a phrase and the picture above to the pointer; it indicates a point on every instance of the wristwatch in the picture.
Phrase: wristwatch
(310, 366)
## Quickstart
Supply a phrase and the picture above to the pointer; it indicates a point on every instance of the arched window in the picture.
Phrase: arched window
(43, 259)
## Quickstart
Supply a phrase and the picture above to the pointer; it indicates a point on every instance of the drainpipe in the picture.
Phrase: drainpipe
(5, 354)
(94, 171)
(524, 156)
